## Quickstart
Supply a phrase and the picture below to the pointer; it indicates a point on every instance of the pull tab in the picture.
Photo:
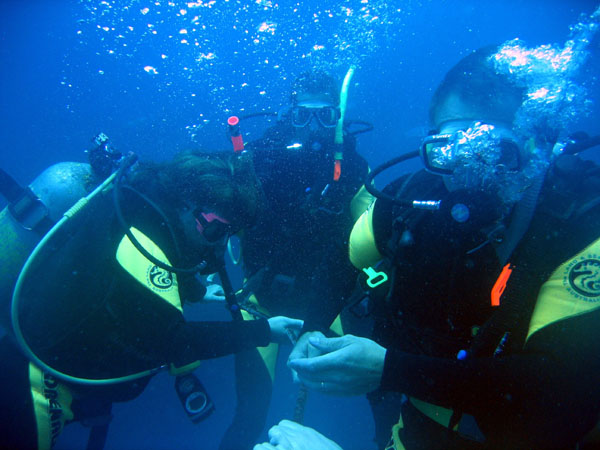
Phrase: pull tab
(237, 140)
(500, 284)
(337, 170)
(375, 278)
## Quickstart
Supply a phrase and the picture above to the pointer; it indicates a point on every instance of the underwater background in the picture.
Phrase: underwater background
(159, 77)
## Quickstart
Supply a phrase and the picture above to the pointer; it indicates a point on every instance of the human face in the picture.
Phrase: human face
(314, 112)
(212, 227)
(324, 114)
(205, 228)
(484, 155)
(484, 147)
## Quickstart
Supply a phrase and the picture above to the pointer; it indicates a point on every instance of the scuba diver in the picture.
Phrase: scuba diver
(294, 258)
(484, 272)
(98, 288)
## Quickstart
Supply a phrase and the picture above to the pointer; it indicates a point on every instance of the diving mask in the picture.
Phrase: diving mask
(212, 227)
(483, 149)
(326, 116)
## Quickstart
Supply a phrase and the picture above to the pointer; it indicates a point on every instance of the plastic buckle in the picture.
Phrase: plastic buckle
(375, 278)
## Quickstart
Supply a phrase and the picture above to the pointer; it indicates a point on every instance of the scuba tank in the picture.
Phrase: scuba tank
(52, 193)
(33, 210)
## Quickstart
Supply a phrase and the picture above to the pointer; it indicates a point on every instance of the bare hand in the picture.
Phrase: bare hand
(348, 365)
(282, 327)
(288, 435)
(214, 293)
(303, 349)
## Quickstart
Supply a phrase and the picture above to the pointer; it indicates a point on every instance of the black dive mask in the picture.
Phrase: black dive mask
(212, 227)
(325, 116)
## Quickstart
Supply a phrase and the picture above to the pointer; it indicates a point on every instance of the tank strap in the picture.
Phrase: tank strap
(97, 418)
(97, 436)
(25, 207)
(9, 188)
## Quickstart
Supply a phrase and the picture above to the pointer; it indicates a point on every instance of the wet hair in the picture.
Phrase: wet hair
(222, 182)
(474, 81)
(315, 82)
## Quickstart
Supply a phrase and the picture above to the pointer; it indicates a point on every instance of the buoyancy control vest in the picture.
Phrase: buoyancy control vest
(558, 251)
(71, 275)
(297, 181)
(431, 260)
(418, 244)
(103, 313)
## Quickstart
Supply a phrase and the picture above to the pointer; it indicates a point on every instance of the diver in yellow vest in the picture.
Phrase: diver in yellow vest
(295, 257)
(97, 307)
(484, 271)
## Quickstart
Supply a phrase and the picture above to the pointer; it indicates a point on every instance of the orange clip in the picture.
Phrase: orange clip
(337, 170)
(500, 284)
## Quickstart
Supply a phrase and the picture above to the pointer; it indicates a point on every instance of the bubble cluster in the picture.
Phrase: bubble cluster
(481, 157)
(223, 50)
(554, 99)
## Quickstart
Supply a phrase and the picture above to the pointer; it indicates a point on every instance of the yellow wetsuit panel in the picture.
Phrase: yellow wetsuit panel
(51, 406)
(395, 442)
(360, 202)
(337, 326)
(436, 413)
(183, 370)
(159, 281)
(362, 248)
(572, 289)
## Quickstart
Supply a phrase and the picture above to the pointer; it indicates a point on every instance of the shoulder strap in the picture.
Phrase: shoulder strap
(521, 219)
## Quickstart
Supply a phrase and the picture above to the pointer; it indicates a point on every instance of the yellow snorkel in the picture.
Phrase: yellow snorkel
(339, 129)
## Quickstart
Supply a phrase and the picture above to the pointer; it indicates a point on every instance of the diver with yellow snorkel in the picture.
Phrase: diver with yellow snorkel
(295, 258)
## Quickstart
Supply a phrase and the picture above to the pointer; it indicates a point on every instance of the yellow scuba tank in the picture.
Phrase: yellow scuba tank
(58, 188)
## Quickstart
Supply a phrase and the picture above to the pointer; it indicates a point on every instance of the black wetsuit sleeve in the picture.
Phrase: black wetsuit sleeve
(192, 341)
(191, 289)
(548, 395)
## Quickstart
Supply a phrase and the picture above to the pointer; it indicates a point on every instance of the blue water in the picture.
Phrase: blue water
(159, 77)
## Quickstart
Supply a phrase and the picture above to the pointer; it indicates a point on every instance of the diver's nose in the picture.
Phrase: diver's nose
(313, 125)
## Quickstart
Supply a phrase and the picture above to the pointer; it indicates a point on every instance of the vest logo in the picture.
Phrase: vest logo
(160, 278)
(582, 278)
(55, 410)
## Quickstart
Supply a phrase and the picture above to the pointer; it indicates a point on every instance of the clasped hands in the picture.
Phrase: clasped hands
(347, 365)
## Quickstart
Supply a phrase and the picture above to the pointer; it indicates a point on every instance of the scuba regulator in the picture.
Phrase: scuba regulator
(103, 157)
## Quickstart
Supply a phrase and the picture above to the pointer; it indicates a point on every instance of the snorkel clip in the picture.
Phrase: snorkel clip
(339, 129)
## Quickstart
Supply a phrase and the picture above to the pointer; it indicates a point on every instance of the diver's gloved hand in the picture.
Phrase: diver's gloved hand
(282, 327)
(303, 349)
(288, 435)
(214, 293)
(348, 365)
